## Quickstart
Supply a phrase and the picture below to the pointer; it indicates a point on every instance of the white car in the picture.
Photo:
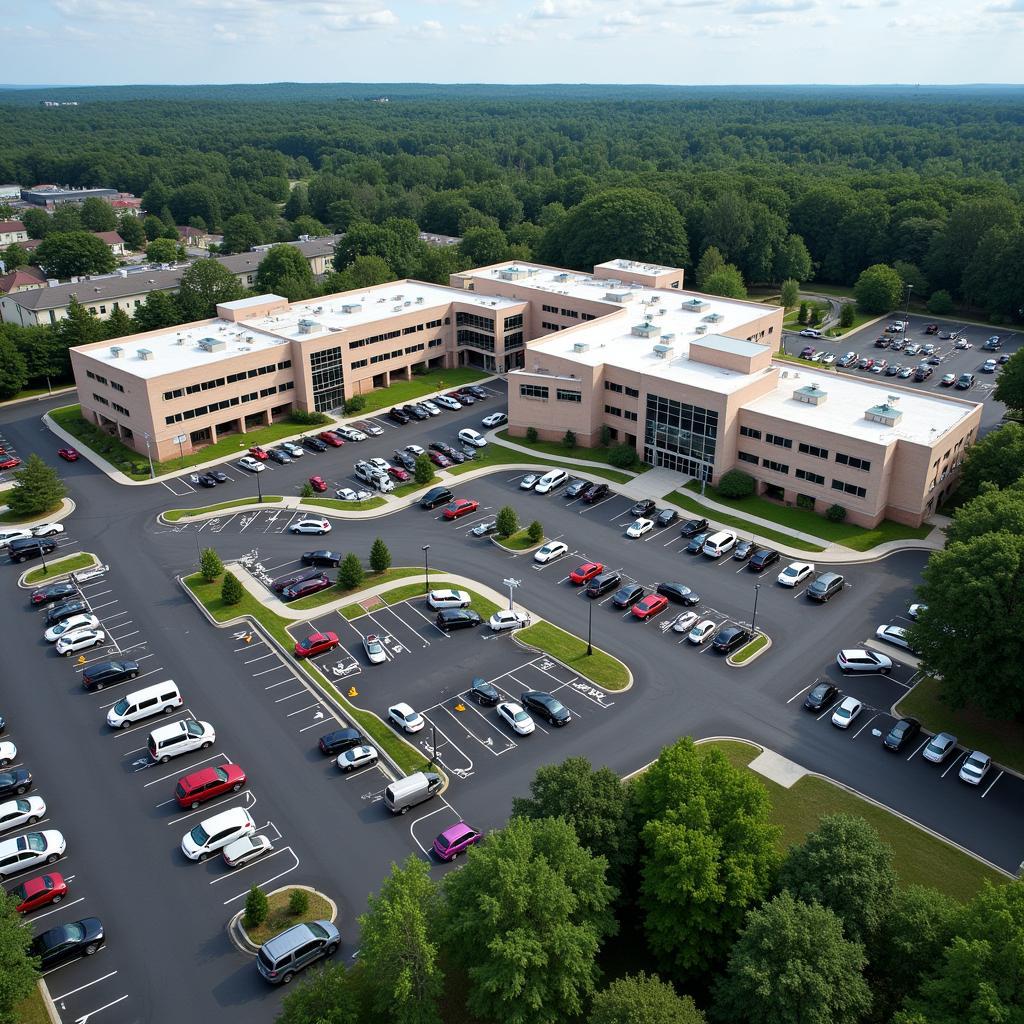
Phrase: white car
(529, 481)
(549, 481)
(963, 343)
(640, 527)
(311, 525)
(350, 433)
(473, 437)
(430, 407)
(915, 611)
(251, 464)
(375, 652)
(17, 534)
(8, 753)
(975, 767)
(217, 832)
(684, 622)
(357, 757)
(447, 402)
(382, 464)
(496, 419)
(552, 550)
(47, 529)
(439, 599)
(80, 640)
(895, 635)
(293, 449)
(518, 720)
(826, 358)
(810, 332)
(847, 711)
(29, 850)
(347, 494)
(76, 622)
(415, 450)
(404, 717)
(702, 631)
(26, 810)
(370, 427)
(795, 573)
(245, 850)
(508, 619)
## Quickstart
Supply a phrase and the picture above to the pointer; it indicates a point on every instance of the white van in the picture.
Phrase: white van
(549, 481)
(160, 698)
(373, 476)
(179, 738)
(719, 543)
(217, 832)
(412, 790)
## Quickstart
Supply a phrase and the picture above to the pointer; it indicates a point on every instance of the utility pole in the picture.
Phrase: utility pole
(753, 618)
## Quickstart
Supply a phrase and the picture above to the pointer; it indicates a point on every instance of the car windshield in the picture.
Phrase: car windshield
(843, 712)
(121, 706)
(200, 836)
(35, 841)
(374, 646)
(521, 716)
(193, 728)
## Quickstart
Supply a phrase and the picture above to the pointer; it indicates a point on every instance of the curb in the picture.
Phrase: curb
(238, 935)
(11, 402)
(590, 682)
(67, 506)
(59, 576)
(51, 1009)
(757, 654)
(512, 551)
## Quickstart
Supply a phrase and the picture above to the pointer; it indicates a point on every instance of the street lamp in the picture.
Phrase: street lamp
(181, 451)
(149, 454)
(590, 623)
(426, 569)
(753, 618)
(259, 485)
(433, 742)
(910, 288)
(511, 584)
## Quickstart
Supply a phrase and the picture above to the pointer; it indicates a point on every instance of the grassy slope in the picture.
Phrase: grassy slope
(403, 391)
(558, 450)
(499, 455)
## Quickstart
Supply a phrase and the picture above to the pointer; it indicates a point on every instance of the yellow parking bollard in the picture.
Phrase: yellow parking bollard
(81, 659)
(353, 692)
(460, 707)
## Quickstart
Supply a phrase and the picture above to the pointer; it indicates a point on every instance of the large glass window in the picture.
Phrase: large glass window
(680, 436)
(328, 379)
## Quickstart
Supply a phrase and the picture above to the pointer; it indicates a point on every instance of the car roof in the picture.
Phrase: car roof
(457, 831)
(287, 940)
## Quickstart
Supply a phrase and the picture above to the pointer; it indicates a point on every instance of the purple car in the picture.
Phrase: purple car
(452, 841)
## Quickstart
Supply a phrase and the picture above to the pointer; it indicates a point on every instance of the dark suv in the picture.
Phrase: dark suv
(457, 618)
(762, 558)
(340, 740)
(29, 547)
(399, 416)
(901, 734)
(105, 673)
(595, 493)
(692, 527)
(436, 496)
(600, 585)
(923, 372)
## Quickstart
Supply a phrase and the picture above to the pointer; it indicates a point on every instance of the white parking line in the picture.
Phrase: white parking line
(262, 657)
(265, 882)
(952, 764)
(991, 784)
(291, 714)
(290, 679)
(178, 774)
(865, 725)
(57, 910)
(265, 671)
(919, 749)
(804, 690)
(84, 1018)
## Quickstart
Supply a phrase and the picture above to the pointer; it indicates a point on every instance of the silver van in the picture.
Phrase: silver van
(411, 790)
(179, 738)
(160, 698)
(280, 957)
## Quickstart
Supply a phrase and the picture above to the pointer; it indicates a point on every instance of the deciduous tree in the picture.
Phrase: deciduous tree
(991, 511)
(997, 458)
(380, 556)
(727, 282)
(38, 488)
(423, 471)
(158, 309)
(507, 521)
(164, 250)
(130, 228)
(14, 256)
(879, 289)
(642, 999)
(18, 970)
(205, 284)
(483, 246)
(1010, 383)
(241, 233)
(73, 253)
(13, 369)
(98, 215)
(331, 994)
(793, 260)
(284, 269)
(789, 293)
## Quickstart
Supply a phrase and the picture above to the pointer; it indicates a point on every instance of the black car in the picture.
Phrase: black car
(446, 449)
(314, 444)
(416, 412)
(484, 693)
(643, 508)
(476, 391)
(963, 383)
(696, 545)
(219, 476)
(923, 372)
(678, 593)
(54, 592)
(820, 696)
(595, 493)
(882, 342)
(485, 529)
(104, 673)
(465, 396)
(902, 733)
(68, 942)
(64, 610)
(576, 487)
(728, 639)
(743, 550)
(279, 456)
(600, 585)
(546, 706)
(15, 780)
(628, 595)
(457, 618)
(762, 558)
(666, 517)
(207, 480)
(337, 742)
(693, 526)
(436, 496)
(330, 558)
(29, 547)
(295, 576)
(399, 416)
(405, 459)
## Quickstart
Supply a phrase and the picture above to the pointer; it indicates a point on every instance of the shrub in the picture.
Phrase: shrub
(350, 572)
(423, 471)
(380, 556)
(835, 514)
(231, 590)
(507, 521)
(531, 435)
(569, 441)
(802, 315)
(256, 907)
(357, 403)
(622, 456)
(210, 565)
(309, 419)
(535, 532)
(805, 501)
(298, 902)
(736, 484)
(847, 315)
(606, 436)
(940, 303)
(307, 490)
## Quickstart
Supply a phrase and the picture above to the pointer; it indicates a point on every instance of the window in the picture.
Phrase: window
(810, 449)
(116, 386)
(632, 393)
(414, 348)
(549, 326)
(570, 313)
(328, 379)
(286, 365)
(775, 467)
(747, 457)
(474, 339)
(512, 322)
(435, 342)
(750, 432)
(611, 386)
(564, 395)
(587, 316)
(550, 309)
(513, 341)
(679, 436)
(813, 478)
(533, 391)
(103, 309)
(776, 439)
(839, 485)
(100, 380)
(853, 462)
(630, 415)
(90, 374)
(119, 408)
(472, 320)
(100, 399)
(612, 411)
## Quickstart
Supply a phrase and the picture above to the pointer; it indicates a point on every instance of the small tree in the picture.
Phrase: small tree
(789, 293)
(350, 572)
(802, 315)
(535, 531)
(231, 590)
(940, 303)
(569, 441)
(847, 315)
(18, 974)
(623, 456)
(642, 997)
(307, 490)
(531, 435)
(380, 556)
(423, 471)
(835, 514)
(507, 521)
(298, 902)
(357, 403)
(38, 488)
(257, 906)
(210, 565)
(606, 435)
(736, 485)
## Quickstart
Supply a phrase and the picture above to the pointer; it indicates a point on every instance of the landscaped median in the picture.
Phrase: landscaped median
(345, 506)
(600, 668)
(175, 514)
(59, 567)
(600, 455)
(281, 913)
(495, 454)
(749, 651)
(519, 541)
(372, 579)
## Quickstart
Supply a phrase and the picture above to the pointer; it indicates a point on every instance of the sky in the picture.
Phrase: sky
(684, 42)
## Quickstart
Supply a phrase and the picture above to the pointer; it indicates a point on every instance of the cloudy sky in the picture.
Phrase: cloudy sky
(687, 42)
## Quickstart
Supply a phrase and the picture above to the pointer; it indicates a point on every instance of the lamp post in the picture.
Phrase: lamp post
(910, 288)
(511, 584)
(259, 485)
(426, 569)
(149, 455)
(433, 743)
(753, 618)
(181, 450)
(590, 623)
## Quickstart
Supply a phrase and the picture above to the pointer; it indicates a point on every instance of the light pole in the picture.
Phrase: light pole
(426, 569)
(753, 618)
(181, 450)
(910, 288)
(259, 484)
(433, 743)
(149, 455)
(511, 584)
(590, 623)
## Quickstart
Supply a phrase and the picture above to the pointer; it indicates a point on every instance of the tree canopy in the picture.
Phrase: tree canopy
(74, 253)
(642, 999)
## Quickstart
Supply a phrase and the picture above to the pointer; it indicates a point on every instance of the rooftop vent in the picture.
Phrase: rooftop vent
(714, 318)
(645, 330)
(419, 300)
(667, 339)
(702, 328)
(116, 351)
(307, 326)
(396, 309)
(145, 353)
(213, 344)
(810, 394)
(353, 307)
(618, 296)
(695, 305)
(886, 413)
(664, 351)
(581, 346)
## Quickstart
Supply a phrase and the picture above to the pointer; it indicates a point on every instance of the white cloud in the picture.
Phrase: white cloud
(727, 30)
(359, 22)
(559, 10)
(774, 6)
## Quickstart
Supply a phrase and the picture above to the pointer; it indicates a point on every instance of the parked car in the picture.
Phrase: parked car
(666, 517)
(314, 444)
(294, 450)
(436, 496)
(948, 380)
(295, 576)
(649, 606)
(627, 595)
(316, 643)
(245, 850)
(576, 487)
(600, 585)
(460, 507)
(730, 639)
(453, 841)
(485, 529)
(939, 747)
(23, 810)
(76, 622)
(820, 696)
(495, 419)
(340, 740)
(196, 788)
(29, 547)
(964, 382)
(280, 958)
(473, 437)
(895, 635)
(642, 509)
(743, 550)
(684, 622)
(639, 528)
(106, 673)
(318, 483)
(697, 542)
(849, 359)
(30, 850)
(399, 416)
(863, 660)
(15, 780)
(922, 372)
(549, 708)
(903, 732)
(692, 527)
(448, 403)
(80, 640)
(975, 767)
(65, 610)
(40, 891)
(457, 618)
(249, 463)
(439, 599)
(68, 454)
(508, 618)
(311, 524)
(357, 757)
(679, 593)
(989, 366)
(484, 693)
(347, 433)
(67, 942)
(280, 456)
(515, 717)
(849, 708)
(586, 572)
(322, 557)
(825, 587)
(702, 631)
(53, 592)
(795, 573)
(595, 493)
(348, 494)
(405, 717)
(550, 551)
(305, 588)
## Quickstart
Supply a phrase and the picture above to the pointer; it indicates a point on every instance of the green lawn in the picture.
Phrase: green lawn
(279, 917)
(599, 667)
(856, 537)
(747, 652)
(36, 392)
(739, 523)
(61, 567)
(838, 290)
(919, 858)
(499, 455)
(859, 320)
(345, 506)
(11, 518)
(402, 391)
(558, 450)
(807, 365)
(372, 579)
(402, 490)
(174, 514)
(32, 1010)
(1004, 741)
(519, 541)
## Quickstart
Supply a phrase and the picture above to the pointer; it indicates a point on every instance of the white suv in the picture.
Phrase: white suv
(217, 832)
(30, 850)
(448, 599)
(314, 525)
(549, 481)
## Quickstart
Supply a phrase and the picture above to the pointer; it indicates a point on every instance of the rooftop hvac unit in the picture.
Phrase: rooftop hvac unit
(581, 346)
(407, 303)
(145, 353)
(662, 311)
(396, 309)
(307, 326)
(382, 300)
(419, 300)
(663, 351)
(648, 317)
(116, 351)
(702, 329)
(212, 344)
(353, 307)
(250, 338)
(318, 309)
(180, 341)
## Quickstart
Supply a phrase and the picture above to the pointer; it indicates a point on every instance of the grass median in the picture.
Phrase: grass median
(279, 915)
(744, 654)
(599, 454)
(12, 518)
(919, 858)
(518, 541)
(61, 567)
(32, 1010)
(499, 455)
(175, 514)
(345, 506)
(571, 650)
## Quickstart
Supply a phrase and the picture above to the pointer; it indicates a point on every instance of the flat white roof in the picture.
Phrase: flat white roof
(253, 300)
(650, 270)
(924, 417)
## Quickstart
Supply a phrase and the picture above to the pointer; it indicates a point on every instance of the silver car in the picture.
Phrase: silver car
(975, 768)
(939, 747)
(245, 850)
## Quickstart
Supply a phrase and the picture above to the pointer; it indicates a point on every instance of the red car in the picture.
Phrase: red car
(399, 474)
(318, 483)
(461, 507)
(650, 605)
(9, 461)
(442, 461)
(304, 588)
(931, 329)
(317, 643)
(258, 453)
(195, 789)
(39, 891)
(586, 572)
(328, 437)
(68, 454)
